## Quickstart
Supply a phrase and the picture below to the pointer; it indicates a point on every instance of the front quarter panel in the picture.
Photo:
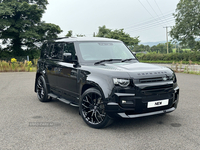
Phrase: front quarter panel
(100, 78)
(104, 83)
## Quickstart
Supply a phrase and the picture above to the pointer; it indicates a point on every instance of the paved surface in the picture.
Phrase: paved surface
(26, 123)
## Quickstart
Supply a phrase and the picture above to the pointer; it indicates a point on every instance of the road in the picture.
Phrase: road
(27, 123)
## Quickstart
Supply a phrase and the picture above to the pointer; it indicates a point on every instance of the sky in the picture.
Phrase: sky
(144, 18)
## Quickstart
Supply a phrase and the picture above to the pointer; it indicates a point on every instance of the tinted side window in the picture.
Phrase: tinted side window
(56, 51)
(44, 51)
(69, 48)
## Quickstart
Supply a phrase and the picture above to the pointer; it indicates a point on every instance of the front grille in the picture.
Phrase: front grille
(154, 90)
(147, 80)
(149, 98)
(160, 87)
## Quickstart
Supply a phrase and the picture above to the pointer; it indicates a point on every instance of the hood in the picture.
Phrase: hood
(136, 66)
(134, 70)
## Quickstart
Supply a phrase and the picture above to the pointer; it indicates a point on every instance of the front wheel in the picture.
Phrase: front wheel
(92, 109)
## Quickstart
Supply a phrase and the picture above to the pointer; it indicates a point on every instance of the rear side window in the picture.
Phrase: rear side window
(56, 51)
(45, 50)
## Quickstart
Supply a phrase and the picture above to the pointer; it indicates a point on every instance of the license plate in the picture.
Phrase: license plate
(158, 103)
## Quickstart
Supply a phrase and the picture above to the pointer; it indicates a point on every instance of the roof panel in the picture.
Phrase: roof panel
(84, 39)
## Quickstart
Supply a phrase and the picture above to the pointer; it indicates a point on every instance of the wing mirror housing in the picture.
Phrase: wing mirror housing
(67, 57)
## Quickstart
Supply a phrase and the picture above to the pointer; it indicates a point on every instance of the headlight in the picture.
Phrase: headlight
(173, 77)
(121, 82)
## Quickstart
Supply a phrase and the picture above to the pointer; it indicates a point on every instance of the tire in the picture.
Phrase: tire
(92, 109)
(41, 90)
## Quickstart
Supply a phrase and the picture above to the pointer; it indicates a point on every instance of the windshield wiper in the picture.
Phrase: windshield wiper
(106, 60)
(127, 59)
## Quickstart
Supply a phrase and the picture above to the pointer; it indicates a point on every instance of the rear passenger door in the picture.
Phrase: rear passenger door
(53, 67)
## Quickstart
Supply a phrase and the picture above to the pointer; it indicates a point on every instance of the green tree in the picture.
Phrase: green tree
(80, 35)
(187, 28)
(69, 34)
(103, 31)
(154, 48)
(162, 48)
(21, 26)
(170, 47)
(141, 48)
(118, 34)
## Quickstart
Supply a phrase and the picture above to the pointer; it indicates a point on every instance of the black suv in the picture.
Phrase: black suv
(104, 79)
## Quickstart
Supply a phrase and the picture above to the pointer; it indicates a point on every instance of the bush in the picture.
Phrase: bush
(185, 56)
(15, 66)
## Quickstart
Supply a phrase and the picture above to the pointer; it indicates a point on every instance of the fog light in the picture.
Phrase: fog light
(127, 102)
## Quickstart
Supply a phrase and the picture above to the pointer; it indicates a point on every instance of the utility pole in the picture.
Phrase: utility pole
(167, 37)
(175, 47)
(178, 48)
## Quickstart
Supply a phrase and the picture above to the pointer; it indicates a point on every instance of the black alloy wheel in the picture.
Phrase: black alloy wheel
(41, 89)
(92, 109)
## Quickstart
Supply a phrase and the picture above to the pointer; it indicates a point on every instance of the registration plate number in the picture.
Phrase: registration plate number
(158, 103)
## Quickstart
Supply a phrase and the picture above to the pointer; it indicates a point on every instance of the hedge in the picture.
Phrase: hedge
(185, 56)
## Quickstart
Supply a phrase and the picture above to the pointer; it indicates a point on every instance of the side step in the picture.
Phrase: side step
(62, 100)
(52, 95)
(75, 105)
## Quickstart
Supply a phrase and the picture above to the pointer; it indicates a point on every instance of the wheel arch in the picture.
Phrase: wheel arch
(103, 87)
(36, 78)
(92, 85)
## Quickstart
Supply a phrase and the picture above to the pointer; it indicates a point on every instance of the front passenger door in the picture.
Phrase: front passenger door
(68, 75)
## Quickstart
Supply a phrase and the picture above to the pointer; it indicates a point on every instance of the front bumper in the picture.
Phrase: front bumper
(136, 104)
(123, 115)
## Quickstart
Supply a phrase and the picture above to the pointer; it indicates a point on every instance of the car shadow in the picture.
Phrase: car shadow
(61, 105)
(142, 122)
(119, 123)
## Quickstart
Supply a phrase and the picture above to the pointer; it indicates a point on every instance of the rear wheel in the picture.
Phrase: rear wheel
(41, 89)
(92, 109)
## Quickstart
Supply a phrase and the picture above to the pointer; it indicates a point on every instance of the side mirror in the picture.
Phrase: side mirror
(67, 57)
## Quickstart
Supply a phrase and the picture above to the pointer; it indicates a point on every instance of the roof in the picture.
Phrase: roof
(85, 39)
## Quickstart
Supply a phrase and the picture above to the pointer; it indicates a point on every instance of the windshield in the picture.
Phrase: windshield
(95, 51)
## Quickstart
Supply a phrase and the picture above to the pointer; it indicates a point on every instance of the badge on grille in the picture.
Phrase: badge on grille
(164, 78)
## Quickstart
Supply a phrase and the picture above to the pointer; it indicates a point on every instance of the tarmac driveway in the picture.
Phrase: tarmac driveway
(26, 123)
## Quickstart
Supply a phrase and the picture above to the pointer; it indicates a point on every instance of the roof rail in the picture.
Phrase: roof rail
(59, 38)
(62, 38)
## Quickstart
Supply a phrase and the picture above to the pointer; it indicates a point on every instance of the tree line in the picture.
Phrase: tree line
(21, 28)
(159, 48)
(186, 57)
